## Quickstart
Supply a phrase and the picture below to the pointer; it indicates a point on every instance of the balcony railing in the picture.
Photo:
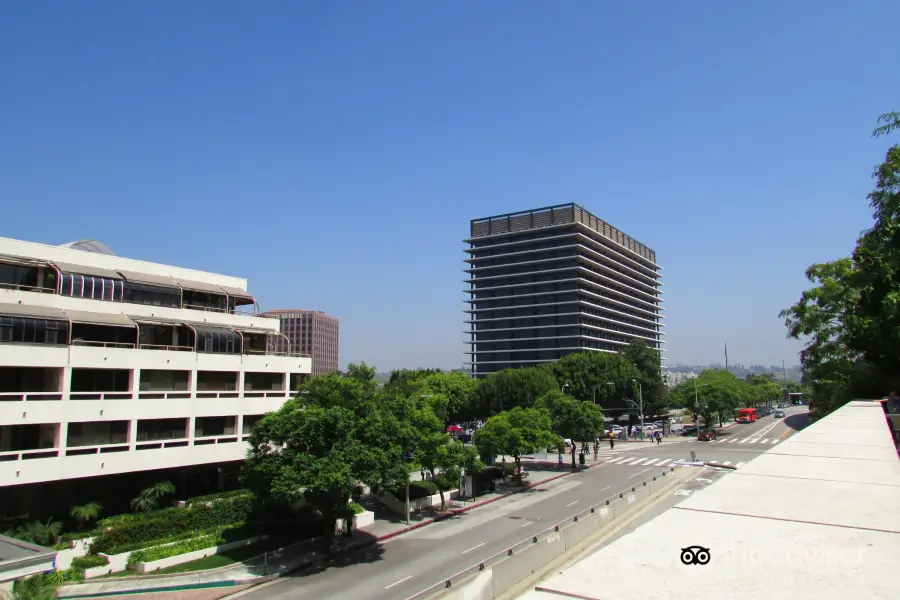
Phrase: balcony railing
(28, 454)
(27, 288)
(101, 395)
(29, 396)
(116, 446)
(102, 344)
(205, 308)
(168, 348)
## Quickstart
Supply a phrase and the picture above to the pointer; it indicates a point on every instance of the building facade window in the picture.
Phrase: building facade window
(94, 288)
(26, 330)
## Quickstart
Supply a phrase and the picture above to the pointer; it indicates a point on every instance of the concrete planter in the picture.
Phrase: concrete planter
(163, 563)
(360, 521)
(78, 549)
(399, 505)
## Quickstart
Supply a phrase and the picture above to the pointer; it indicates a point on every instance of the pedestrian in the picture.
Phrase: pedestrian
(422, 473)
(612, 440)
(658, 438)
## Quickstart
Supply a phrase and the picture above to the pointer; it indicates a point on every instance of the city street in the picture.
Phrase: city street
(411, 562)
(735, 446)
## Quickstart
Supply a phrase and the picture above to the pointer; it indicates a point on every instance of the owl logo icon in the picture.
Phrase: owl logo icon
(695, 555)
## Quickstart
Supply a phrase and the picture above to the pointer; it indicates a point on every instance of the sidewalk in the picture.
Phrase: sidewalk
(298, 556)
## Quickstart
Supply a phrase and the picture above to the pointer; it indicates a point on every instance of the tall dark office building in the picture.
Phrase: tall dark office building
(547, 282)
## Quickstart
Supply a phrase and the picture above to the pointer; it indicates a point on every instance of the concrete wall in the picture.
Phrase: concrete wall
(498, 575)
(398, 506)
(79, 548)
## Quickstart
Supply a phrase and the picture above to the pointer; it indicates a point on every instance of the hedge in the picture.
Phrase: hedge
(86, 562)
(219, 496)
(417, 489)
(147, 543)
(182, 547)
(173, 522)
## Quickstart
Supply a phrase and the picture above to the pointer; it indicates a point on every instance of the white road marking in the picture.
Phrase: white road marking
(744, 441)
(616, 460)
(704, 480)
(727, 462)
(387, 587)
(638, 473)
(740, 464)
(652, 461)
(626, 461)
(754, 441)
(665, 462)
(606, 488)
(638, 461)
(528, 523)
(469, 550)
(571, 503)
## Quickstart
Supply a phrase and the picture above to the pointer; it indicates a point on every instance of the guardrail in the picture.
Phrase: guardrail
(103, 344)
(33, 396)
(557, 539)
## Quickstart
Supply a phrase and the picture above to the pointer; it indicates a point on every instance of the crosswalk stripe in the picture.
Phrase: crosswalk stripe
(651, 462)
(753, 441)
(626, 461)
(727, 462)
(617, 459)
(744, 441)
(740, 464)
(775, 442)
(638, 461)
(733, 440)
(664, 462)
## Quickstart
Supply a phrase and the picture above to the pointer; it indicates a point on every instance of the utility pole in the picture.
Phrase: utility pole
(726, 356)
(783, 373)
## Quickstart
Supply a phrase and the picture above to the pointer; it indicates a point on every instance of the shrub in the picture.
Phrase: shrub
(147, 543)
(70, 575)
(182, 547)
(89, 561)
(417, 489)
(356, 508)
(169, 522)
(446, 482)
(218, 496)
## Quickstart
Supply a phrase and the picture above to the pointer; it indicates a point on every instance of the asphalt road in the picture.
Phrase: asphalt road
(736, 446)
(414, 561)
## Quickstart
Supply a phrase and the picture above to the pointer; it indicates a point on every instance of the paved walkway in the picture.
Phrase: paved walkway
(813, 517)
(387, 525)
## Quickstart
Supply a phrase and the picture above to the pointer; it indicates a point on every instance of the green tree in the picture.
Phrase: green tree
(595, 375)
(516, 432)
(457, 388)
(148, 498)
(572, 418)
(36, 532)
(444, 457)
(361, 372)
(86, 513)
(510, 388)
(718, 392)
(850, 316)
(648, 363)
(319, 446)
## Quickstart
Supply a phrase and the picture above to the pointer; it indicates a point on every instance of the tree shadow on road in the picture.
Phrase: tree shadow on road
(362, 548)
(797, 421)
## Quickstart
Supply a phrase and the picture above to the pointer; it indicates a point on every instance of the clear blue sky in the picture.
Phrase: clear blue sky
(333, 152)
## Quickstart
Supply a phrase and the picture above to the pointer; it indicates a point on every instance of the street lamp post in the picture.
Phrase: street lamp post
(641, 406)
(565, 385)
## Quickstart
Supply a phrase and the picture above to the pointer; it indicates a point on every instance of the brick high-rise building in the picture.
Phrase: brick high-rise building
(550, 281)
(310, 332)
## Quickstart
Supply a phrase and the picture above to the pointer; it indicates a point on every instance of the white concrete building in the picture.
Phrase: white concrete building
(110, 365)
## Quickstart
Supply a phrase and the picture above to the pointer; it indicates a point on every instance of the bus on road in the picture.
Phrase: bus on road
(747, 415)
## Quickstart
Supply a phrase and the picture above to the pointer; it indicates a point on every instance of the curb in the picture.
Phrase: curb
(257, 581)
(465, 509)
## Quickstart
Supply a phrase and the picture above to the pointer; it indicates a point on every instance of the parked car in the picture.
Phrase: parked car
(779, 414)
(707, 435)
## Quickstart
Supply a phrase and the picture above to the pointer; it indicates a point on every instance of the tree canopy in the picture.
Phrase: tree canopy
(718, 392)
(516, 432)
(850, 317)
(338, 432)
(590, 375)
(511, 388)
(571, 418)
